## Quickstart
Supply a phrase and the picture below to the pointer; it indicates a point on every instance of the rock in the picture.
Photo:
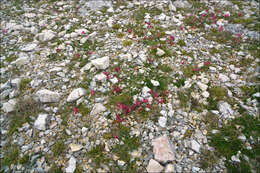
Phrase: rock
(162, 17)
(16, 83)
(182, 4)
(194, 145)
(169, 168)
(160, 52)
(146, 90)
(114, 80)
(101, 63)
(163, 149)
(155, 83)
(154, 167)
(75, 147)
(205, 94)
(47, 96)
(21, 61)
(76, 94)
(172, 7)
(225, 109)
(202, 86)
(72, 165)
(223, 78)
(97, 4)
(46, 35)
(233, 76)
(100, 77)
(162, 121)
(86, 67)
(98, 108)
(9, 106)
(41, 122)
(28, 47)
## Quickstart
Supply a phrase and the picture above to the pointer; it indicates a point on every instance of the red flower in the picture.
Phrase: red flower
(115, 136)
(116, 89)
(83, 32)
(145, 100)
(221, 28)
(130, 30)
(149, 106)
(196, 69)
(140, 109)
(77, 55)
(161, 101)
(118, 118)
(172, 37)
(90, 52)
(117, 69)
(75, 110)
(92, 92)
(206, 63)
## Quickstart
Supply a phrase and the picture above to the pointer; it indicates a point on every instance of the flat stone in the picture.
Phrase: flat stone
(9, 106)
(162, 121)
(101, 63)
(21, 61)
(46, 35)
(76, 94)
(29, 47)
(100, 77)
(47, 96)
(41, 122)
(160, 52)
(154, 167)
(225, 109)
(182, 4)
(202, 86)
(223, 78)
(72, 165)
(194, 145)
(75, 147)
(163, 149)
(98, 108)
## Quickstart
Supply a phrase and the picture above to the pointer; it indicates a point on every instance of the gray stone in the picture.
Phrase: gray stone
(182, 4)
(98, 108)
(47, 96)
(21, 61)
(76, 94)
(154, 167)
(72, 165)
(194, 145)
(41, 122)
(46, 35)
(29, 47)
(9, 106)
(202, 86)
(169, 168)
(101, 63)
(162, 121)
(160, 52)
(223, 78)
(225, 109)
(163, 149)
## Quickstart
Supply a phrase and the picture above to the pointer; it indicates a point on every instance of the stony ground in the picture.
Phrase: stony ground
(130, 86)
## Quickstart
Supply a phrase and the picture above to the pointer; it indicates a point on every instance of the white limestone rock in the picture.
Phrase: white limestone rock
(9, 106)
(76, 94)
(47, 96)
(41, 122)
(72, 165)
(194, 145)
(101, 63)
(202, 86)
(159, 52)
(225, 109)
(46, 35)
(98, 108)
(154, 166)
(163, 149)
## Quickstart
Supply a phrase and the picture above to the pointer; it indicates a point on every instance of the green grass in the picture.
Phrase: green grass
(24, 109)
(11, 155)
(227, 144)
(218, 93)
(58, 148)
(98, 156)
(188, 71)
(122, 98)
(165, 68)
(24, 84)
(184, 98)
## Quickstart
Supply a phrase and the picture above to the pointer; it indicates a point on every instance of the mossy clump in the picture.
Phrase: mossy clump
(58, 148)
(181, 43)
(218, 92)
(127, 43)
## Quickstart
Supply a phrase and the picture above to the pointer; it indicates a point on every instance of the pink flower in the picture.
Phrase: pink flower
(117, 69)
(90, 52)
(221, 28)
(161, 101)
(196, 69)
(92, 92)
(172, 37)
(145, 100)
(140, 109)
(118, 118)
(83, 32)
(149, 106)
(75, 110)
(116, 89)
(130, 30)
(206, 63)
(115, 136)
